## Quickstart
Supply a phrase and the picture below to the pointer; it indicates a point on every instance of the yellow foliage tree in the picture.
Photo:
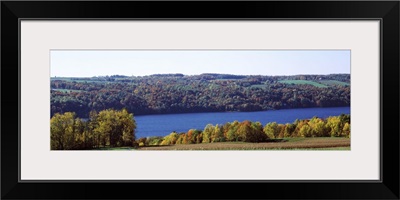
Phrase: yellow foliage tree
(62, 131)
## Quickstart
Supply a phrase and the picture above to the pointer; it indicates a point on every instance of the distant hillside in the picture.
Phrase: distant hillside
(208, 92)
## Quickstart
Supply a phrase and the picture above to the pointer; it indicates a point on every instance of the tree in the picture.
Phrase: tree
(305, 131)
(67, 132)
(231, 131)
(256, 133)
(171, 139)
(80, 135)
(193, 136)
(299, 124)
(180, 139)
(142, 142)
(333, 123)
(208, 130)
(271, 130)
(62, 131)
(128, 127)
(243, 129)
(289, 129)
(318, 127)
(344, 119)
(92, 127)
(281, 130)
(115, 128)
(217, 135)
(155, 141)
(346, 129)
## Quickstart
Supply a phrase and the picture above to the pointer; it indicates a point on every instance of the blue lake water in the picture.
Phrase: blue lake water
(161, 125)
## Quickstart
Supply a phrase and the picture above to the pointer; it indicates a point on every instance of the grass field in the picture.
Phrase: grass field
(303, 82)
(333, 82)
(74, 79)
(67, 90)
(326, 143)
(260, 86)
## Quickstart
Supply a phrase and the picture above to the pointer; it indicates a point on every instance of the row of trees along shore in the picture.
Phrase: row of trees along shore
(116, 128)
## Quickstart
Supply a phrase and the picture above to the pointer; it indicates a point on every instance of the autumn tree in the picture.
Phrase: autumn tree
(62, 131)
(271, 129)
(305, 131)
(346, 129)
(170, 139)
(180, 139)
(81, 137)
(207, 132)
(217, 134)
(231, 131)
(318, 128)
(154, 141)
(289, 129)
(256, 133)
(195, 136)
(115, 128)
(281, 130)
(299, 124)
(333, 124)
(243, 129)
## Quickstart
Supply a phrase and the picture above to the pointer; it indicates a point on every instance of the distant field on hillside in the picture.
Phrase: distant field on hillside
(260, 86)
(303, 82)
(333, 82)
(67, 90)
(78, 80)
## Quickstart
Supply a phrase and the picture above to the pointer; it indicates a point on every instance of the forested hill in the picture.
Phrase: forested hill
(178, 93)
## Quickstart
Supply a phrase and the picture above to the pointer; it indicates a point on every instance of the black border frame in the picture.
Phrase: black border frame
(386, 11)
(197, 19)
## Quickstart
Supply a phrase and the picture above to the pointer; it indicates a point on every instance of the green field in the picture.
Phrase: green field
(334, 82)
(321, 143)
(304, 82)
(260, 86)
(75, 80)
(67, 90)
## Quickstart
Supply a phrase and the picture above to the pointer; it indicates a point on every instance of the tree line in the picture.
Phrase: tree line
(177, 93)
(116, 128)
(109, 127)
(247, 131)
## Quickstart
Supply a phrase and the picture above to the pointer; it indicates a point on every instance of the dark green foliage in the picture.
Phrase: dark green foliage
(289, 130)
(256, 133)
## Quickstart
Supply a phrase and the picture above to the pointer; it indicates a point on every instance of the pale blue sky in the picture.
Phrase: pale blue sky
(90, 63)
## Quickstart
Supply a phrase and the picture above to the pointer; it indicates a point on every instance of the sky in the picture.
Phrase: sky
(89, 63)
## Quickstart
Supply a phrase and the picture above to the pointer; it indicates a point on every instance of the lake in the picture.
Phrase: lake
(162, 125)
